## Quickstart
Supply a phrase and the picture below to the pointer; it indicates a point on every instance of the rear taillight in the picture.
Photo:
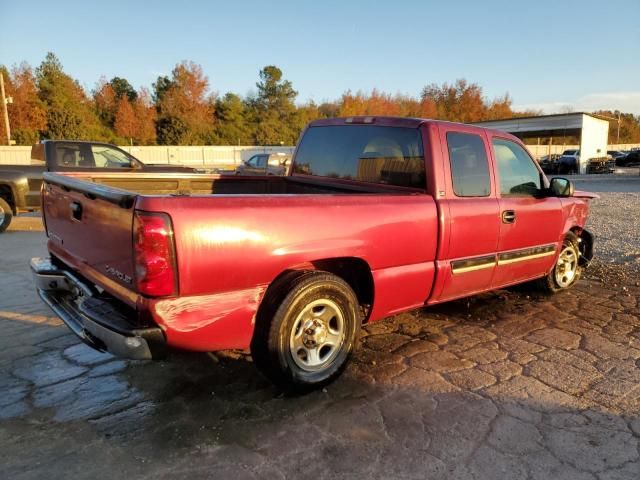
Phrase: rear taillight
(155, 259)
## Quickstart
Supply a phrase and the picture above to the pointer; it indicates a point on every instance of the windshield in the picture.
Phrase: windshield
(368, 153)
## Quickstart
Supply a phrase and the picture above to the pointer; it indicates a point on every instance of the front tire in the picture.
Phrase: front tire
(6, 215)
(567, 270)
(307, 332)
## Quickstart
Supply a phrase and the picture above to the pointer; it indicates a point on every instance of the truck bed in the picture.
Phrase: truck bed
(221, 221)
(198, 184)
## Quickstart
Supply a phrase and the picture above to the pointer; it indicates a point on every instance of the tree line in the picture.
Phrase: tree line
(181, 109)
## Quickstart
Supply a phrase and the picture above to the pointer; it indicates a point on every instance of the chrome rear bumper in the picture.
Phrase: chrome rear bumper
(93, 317)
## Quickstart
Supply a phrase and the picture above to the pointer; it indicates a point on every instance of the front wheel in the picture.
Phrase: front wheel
(567, 270)
(305, 340)
(6, 215)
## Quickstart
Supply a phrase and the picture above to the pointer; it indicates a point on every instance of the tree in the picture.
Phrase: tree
(184, 105)
(27, 114)
(629, 126)
(500, 108)
(171, 131)
(125, 119)
(232, 126)
(135, 120)
(123, 88)
(273, 109)
(160, 87)
(69, 111)
(146, 116)
(459, 102)
(106, 102)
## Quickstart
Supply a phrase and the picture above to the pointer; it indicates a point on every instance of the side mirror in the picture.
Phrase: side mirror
(561, 187)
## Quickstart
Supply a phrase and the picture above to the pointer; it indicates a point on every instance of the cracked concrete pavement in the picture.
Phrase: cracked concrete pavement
(510, 384)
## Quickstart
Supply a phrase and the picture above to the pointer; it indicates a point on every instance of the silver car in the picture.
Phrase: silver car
(265, 164)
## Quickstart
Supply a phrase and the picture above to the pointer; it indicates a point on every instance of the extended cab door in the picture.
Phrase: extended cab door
(530, 222)
(470, 213)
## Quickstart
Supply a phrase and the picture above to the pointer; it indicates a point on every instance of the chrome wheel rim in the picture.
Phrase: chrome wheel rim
(317, 335)
(566, 267)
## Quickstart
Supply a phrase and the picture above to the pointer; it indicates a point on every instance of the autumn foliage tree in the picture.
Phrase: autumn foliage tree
(135, 119)
(185, 110)
(27, 113)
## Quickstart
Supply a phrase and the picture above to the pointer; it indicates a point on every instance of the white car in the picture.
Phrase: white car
(569, 162)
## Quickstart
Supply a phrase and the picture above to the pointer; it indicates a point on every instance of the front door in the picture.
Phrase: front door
(529, 221)
(467, 262)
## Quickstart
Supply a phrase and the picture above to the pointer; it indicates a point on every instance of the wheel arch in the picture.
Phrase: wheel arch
(8, 195)
(355, 271)
(585, 244)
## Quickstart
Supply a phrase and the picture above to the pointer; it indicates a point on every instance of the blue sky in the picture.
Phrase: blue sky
(546, 54)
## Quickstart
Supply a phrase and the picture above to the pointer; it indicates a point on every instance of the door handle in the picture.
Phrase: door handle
(76, 210)
(508, 216)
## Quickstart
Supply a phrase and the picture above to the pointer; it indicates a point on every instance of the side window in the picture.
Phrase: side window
(469, 165)
(253, 161)
(518, 174)
(262, 161)
(107, 157)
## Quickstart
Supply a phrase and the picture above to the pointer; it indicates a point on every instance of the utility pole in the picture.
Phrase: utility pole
(618, 140)
(5, 101)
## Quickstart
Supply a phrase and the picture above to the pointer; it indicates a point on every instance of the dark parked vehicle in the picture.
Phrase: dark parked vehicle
(632, 159)
(617, 155)
(569, 162)
(265, 164)
(20, 184)
(601, 165)
(549, 163)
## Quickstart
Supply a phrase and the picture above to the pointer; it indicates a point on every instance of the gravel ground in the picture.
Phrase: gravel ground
(614, 219)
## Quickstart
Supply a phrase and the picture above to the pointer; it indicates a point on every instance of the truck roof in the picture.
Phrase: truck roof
(407, 122)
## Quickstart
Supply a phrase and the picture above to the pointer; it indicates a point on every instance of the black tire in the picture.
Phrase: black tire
(6, 215)
(296, 303)
(561, 276)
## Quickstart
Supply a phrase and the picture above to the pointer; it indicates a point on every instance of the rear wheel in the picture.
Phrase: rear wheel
(308, 332)
(6, 215)
(567, 270)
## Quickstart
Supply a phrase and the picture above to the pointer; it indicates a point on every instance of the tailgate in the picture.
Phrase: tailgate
(90, 225)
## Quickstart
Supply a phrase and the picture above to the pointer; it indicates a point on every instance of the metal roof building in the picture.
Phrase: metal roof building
(592, 130)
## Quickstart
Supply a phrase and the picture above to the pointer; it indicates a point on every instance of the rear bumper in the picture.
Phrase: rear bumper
(97, 320)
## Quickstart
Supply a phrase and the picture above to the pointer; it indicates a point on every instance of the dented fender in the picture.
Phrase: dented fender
(223, 320)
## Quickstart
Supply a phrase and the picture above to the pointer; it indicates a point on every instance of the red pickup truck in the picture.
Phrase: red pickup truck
(377, 216)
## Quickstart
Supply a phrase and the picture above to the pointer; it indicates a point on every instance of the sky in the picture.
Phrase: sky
(548, 55)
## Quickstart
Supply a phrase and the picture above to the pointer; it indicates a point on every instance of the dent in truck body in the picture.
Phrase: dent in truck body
(223, 321)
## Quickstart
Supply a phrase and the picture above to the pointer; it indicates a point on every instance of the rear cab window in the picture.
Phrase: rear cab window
(367, 153)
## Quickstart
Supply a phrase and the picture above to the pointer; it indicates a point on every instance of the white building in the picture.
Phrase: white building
(592, 130)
